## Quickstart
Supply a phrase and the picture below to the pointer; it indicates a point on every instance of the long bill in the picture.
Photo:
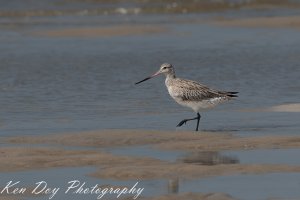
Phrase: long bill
(157, 73)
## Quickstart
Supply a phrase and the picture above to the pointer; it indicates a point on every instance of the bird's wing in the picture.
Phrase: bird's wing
(189, 90)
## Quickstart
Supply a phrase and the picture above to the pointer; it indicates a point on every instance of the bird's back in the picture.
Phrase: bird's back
(195, 95)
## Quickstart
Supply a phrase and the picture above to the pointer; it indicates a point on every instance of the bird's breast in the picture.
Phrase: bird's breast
(175, 94)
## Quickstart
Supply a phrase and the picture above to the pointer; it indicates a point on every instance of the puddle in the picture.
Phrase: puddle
(249, 187)
(200, 158)
(208, 158)
(266, 156)
(146, 151)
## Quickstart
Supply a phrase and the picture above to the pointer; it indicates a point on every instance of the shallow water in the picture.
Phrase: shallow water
(146, 151)
(58, 84)
(251, 156)
(65, 84)
(266, 156)
(249, 187)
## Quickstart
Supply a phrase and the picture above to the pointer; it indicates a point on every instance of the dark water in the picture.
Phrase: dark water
(56, 84)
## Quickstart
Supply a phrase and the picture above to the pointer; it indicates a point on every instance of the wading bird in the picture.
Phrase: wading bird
(190, 93)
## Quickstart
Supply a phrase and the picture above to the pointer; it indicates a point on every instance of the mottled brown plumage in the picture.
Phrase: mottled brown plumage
(189, 90)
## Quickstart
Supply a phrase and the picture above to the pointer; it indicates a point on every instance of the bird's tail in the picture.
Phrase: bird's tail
(232, 94)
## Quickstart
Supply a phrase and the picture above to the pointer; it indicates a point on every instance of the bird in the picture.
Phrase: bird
(190, 93)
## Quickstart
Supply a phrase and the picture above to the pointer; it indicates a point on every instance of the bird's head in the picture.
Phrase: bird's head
(166, 69)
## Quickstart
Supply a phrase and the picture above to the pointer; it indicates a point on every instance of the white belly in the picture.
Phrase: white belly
(197, 106)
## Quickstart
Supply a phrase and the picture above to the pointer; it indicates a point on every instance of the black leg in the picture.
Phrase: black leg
(198, 120)
(186, 120)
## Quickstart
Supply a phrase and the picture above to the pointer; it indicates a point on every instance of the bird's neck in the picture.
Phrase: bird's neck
(170, 76)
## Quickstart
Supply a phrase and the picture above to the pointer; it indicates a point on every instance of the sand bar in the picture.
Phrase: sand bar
(262, 22)
(293, 107)
(193, 196)
(105, 31)
(30, 158)
(174, 140)
(118, 167)
(289, 107)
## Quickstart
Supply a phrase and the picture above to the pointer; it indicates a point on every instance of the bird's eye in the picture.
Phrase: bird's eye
(164, 67)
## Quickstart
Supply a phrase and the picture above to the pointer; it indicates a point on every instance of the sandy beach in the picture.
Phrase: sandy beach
(106, 31)
(194, 196)
(120, 167)
(25, 153)
(262, 22)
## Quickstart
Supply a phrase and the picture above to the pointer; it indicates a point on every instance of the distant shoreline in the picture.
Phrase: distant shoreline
(138, 29)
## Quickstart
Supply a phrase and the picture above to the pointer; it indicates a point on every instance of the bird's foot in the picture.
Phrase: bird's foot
(182, 122)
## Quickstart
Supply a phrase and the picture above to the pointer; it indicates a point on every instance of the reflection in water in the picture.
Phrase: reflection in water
(208, 158)
(200, 158)
(173, 185)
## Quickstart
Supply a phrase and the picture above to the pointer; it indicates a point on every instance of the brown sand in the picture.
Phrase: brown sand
(192, 196)
(182, 170)
(184, 140)
(135, 30)
(9, 198)
(138, 168)
(295, 107)
(117, 138)
(110, 31)
(292, 107)
(265, 22)
(122, 167)
(28, 158)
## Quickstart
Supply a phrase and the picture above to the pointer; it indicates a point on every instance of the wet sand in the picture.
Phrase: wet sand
(118, 167)
(193, 196)
(292, 108)
(8, 198)
(109, 31)
(83, 149)
(29, 158)
(174, 140)
(262, 22)
(139, 29)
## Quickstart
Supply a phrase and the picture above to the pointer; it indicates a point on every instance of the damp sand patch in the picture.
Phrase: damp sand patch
(171, 140)
(119, 138)
(120, 167)
(290, 107)
(295, 107)
(109, 31)
(112, 167)
(29, 158)
(261, 22)
(192, 196)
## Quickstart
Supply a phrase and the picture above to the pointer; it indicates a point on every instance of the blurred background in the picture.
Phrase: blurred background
(71, 65)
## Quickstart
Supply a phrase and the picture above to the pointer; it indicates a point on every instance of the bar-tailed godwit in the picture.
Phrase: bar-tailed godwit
(190, 93)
